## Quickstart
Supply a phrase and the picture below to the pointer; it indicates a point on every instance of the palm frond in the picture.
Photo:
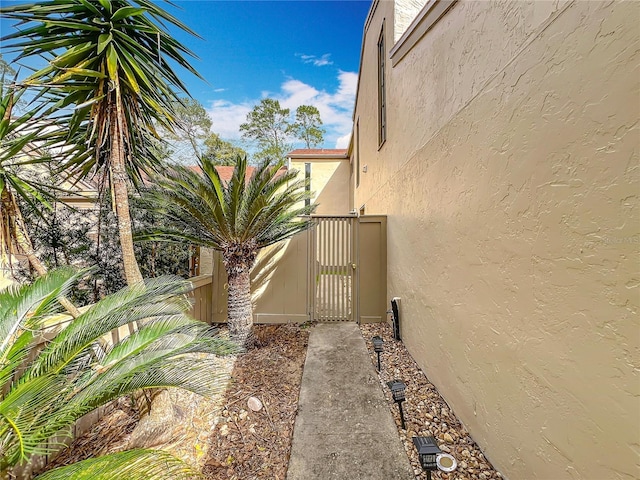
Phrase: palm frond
(133, 465)
(72, 375)
(160, 297)
(260, 211)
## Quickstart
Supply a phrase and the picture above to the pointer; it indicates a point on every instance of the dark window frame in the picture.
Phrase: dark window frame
(382, 94)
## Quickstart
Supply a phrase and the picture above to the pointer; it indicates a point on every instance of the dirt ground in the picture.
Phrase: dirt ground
(247, 444)
(244, 444)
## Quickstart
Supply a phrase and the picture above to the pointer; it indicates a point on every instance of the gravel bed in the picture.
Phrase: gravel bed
(425, 411)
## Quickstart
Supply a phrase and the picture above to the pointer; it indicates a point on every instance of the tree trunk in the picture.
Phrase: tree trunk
(21, 238)
(239, 311)
(119, 181)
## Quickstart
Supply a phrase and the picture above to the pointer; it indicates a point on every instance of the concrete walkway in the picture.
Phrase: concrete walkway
(344, 429)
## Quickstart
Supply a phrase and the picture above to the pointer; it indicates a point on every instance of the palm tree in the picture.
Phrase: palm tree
(109, 61)
(74, 373)
(237, 218)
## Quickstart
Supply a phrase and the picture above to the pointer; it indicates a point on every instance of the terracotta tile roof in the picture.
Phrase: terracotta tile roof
(320, 152)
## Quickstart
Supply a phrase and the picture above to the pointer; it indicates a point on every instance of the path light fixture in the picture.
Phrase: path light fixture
(397, 388)
(427, 453)
(377, 347)
(431, 457)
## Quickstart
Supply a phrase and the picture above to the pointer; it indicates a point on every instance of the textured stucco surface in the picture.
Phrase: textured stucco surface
(329, 184)
(510, 180)
(404, 12)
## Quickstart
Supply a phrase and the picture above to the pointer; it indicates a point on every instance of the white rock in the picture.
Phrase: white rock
(254, 404)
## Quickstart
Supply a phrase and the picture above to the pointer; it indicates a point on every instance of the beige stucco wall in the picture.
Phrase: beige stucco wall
(329, 183)
(510, 179)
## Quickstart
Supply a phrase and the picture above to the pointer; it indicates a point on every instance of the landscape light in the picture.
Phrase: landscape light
(431, 457)
(377, 347)
(446, 463)
(428, 452)
(397, 388)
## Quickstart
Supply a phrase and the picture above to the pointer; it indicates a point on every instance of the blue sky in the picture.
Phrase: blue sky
(299, 52)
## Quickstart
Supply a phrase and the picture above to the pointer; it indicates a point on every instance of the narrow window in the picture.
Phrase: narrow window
(307, 183)
(358, 153)
(382, 96)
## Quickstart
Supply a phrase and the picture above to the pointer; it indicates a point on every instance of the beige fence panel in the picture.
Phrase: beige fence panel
(334, 272)
(202, 298)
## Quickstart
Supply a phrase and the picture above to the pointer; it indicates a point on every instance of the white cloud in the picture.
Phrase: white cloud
(226, 117)
(336, 108)
(317, 61)
(343, 141)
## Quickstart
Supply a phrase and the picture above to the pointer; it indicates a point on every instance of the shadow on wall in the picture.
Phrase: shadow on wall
(333, 196)
(278, 284)
(264, 269)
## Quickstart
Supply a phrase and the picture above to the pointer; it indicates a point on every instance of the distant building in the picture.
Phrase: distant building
(328, 173)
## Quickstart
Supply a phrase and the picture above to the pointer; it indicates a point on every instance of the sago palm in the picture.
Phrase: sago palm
(110, 64)
(45, 391)
(237, 218)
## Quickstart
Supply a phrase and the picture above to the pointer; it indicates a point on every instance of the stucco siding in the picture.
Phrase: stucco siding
(329, 184)
(510, 180)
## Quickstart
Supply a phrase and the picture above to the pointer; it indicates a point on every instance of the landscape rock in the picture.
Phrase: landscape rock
(426, 412)
(254, 404)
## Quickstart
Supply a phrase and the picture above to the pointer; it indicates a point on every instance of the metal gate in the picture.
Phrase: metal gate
(331, 269)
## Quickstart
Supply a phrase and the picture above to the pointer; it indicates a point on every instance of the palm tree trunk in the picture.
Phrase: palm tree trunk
(239, 311)
(119, 182)
(21, 238)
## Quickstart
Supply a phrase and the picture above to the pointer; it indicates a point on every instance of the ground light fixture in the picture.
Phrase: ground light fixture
(431, 457)
(377, 347)
(427, 452)
(397, 388)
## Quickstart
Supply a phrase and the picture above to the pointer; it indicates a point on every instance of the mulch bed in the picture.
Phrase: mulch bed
(106, 436)
(247, 444)
(426, 412)
(244, 444)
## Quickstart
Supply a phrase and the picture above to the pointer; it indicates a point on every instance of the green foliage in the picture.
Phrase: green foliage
(247, 213)
(111, 81)
(76, 372)
(65, 236)
(307, 126)
(6, 71)
(237, 218)
(192, 138)
(220, 151)
(269, 127)
(19, 154)
(132, 464)
(106, 58)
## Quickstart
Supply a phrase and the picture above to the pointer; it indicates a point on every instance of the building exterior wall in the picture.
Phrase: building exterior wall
(329, 183)
(510, 179)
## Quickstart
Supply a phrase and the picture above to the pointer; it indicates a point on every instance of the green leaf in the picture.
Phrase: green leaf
(132, 465)
(106, 4)
(127, 12)
(112, 62)
(71, 25)
(103, 41)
